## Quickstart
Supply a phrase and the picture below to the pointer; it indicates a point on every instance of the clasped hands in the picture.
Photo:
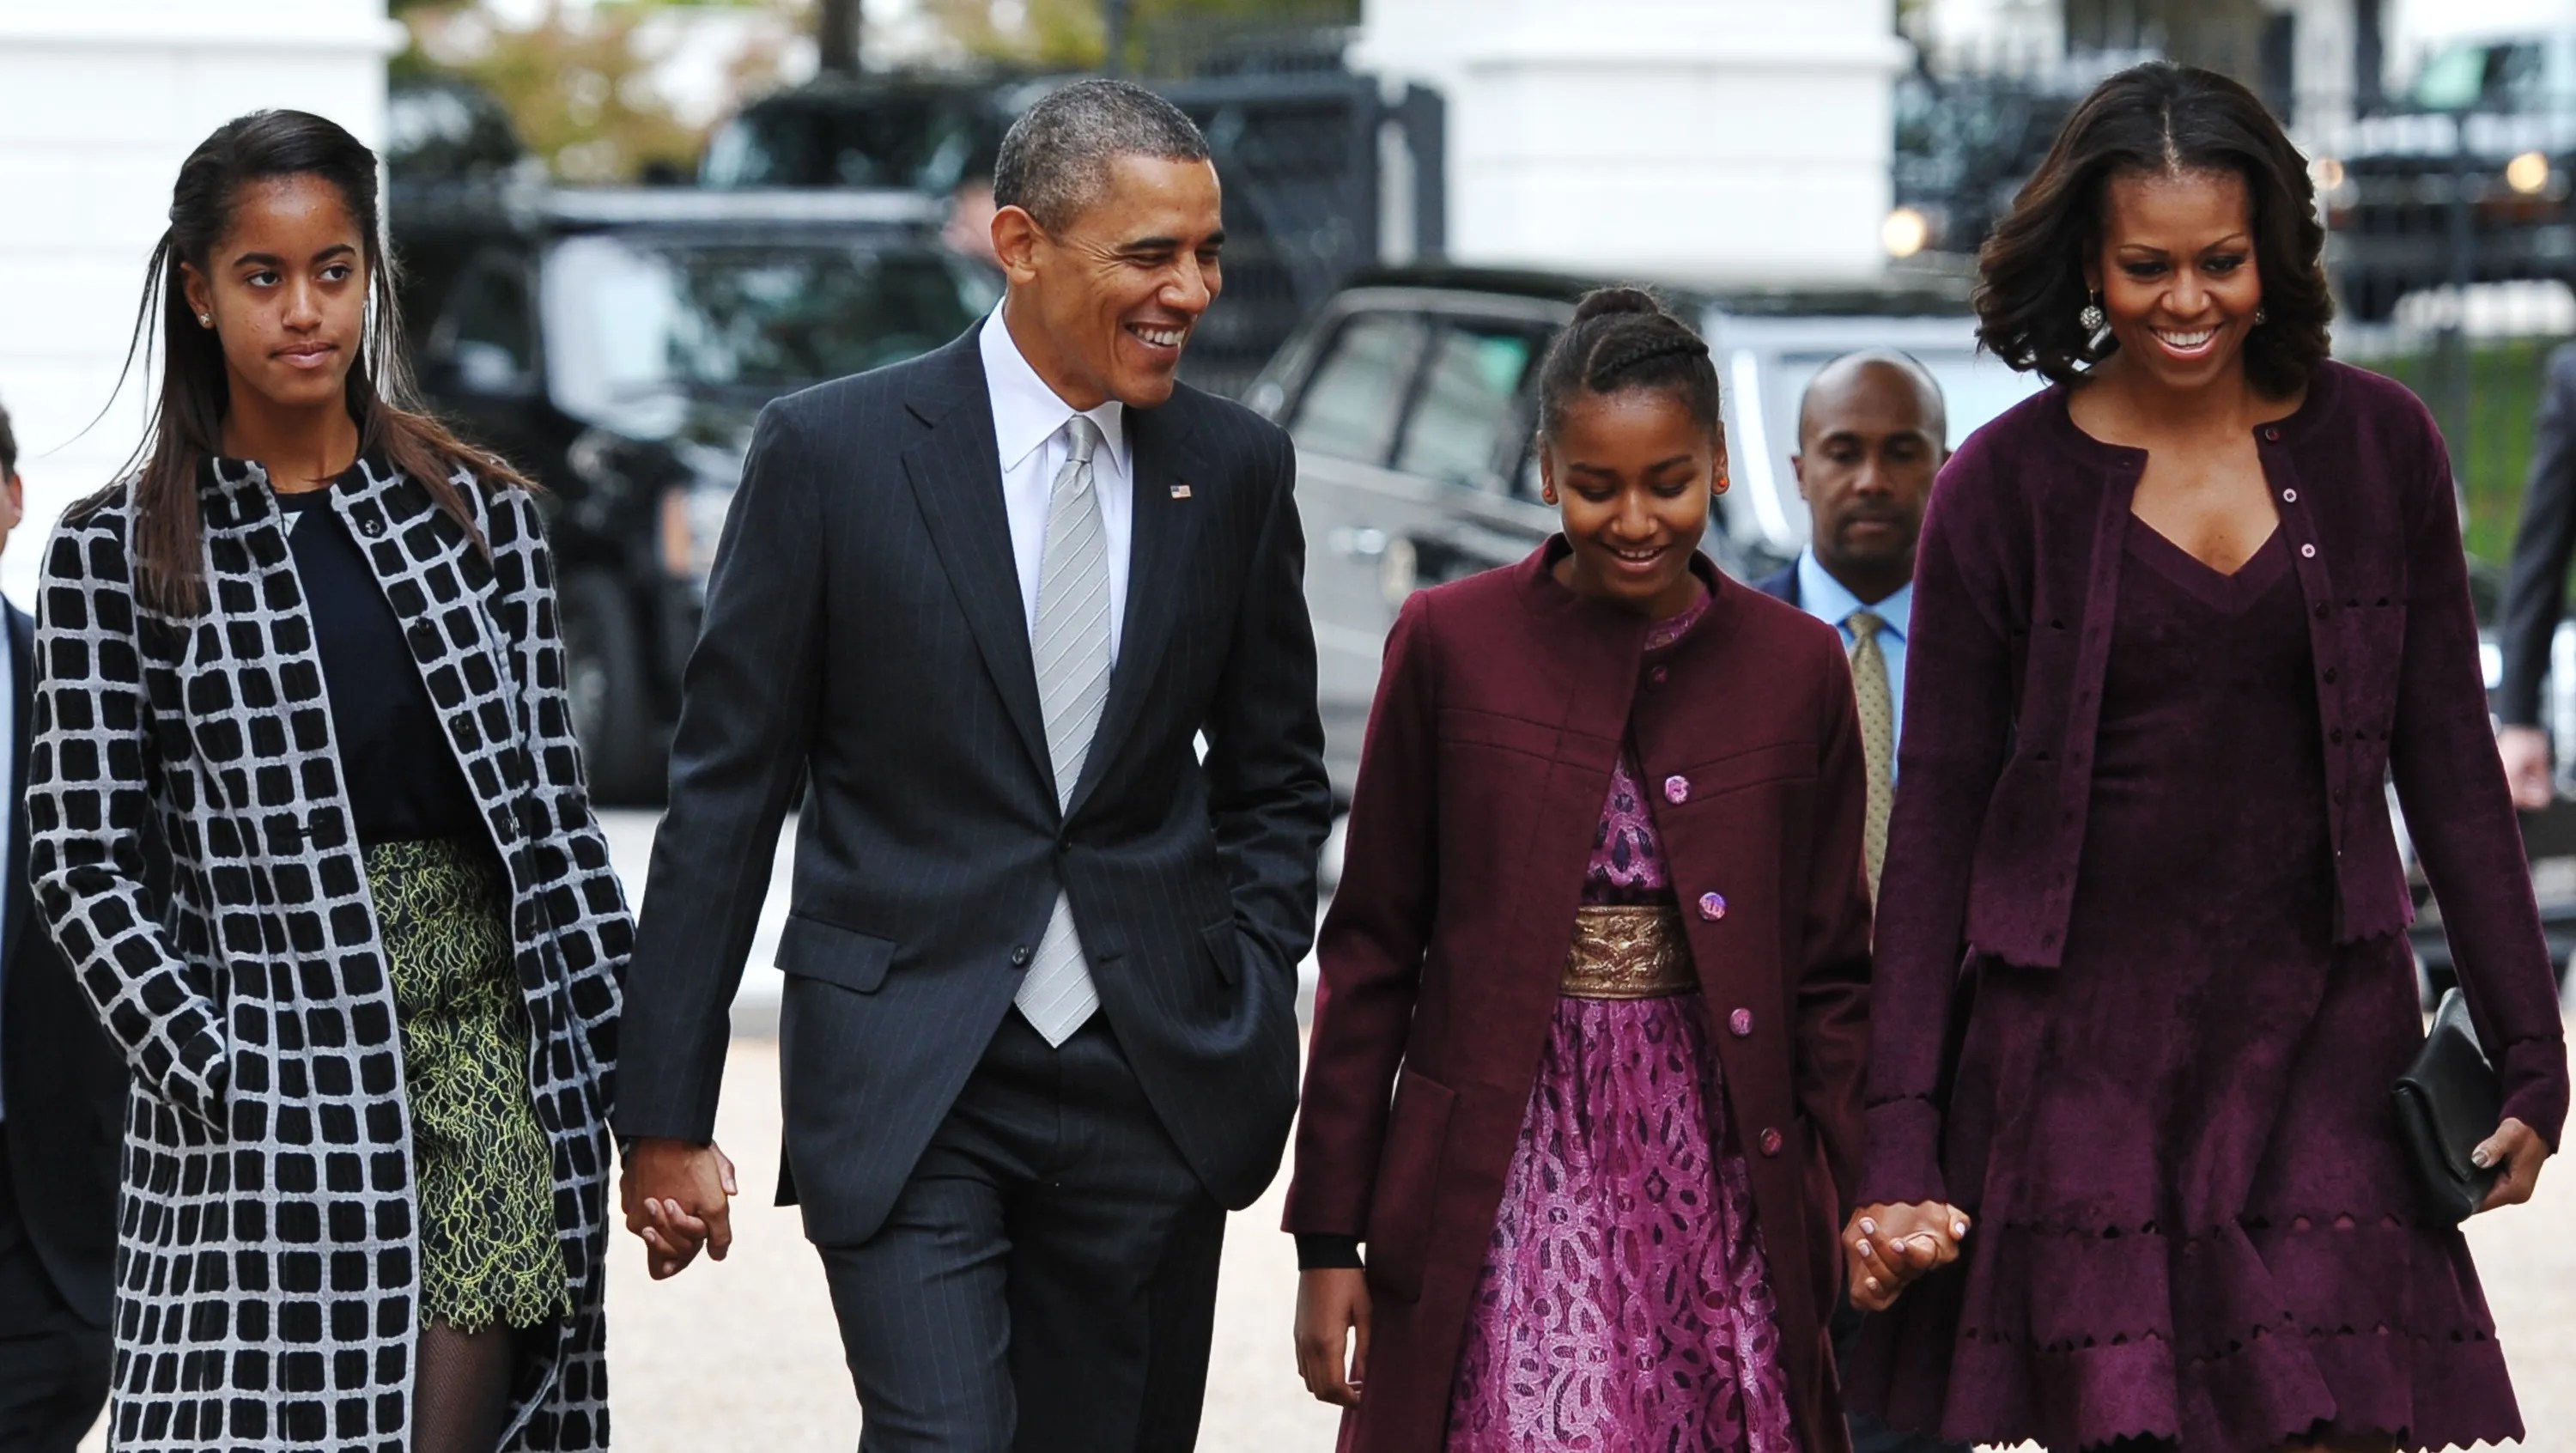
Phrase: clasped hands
(1888, 1248)
(677, 1197)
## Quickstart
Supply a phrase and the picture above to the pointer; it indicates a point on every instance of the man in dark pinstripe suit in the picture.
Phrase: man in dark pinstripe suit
(1039, 1024)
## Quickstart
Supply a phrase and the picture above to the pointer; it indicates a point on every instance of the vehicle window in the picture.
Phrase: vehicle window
(2475, 75)
(635, 317)
(1469, 396)
(488, 334)
(1355, 396)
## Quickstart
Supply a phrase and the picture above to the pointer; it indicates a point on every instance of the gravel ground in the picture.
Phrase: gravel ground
(743, 1355)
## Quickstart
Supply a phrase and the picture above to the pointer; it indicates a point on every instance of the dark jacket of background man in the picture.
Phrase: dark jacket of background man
(2535, 588)
(62, 1096)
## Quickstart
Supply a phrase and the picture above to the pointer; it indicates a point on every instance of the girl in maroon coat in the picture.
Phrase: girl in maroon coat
(1585, 1070)
(2176, 621)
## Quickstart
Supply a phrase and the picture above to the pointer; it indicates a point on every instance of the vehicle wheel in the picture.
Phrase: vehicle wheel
(624, 743)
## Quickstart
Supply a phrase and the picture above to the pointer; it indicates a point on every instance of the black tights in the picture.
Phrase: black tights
(461, 1397)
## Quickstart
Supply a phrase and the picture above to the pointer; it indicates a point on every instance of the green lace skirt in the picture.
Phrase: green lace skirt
(485, 1187)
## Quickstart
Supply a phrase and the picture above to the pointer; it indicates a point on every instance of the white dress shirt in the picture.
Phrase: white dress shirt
(1830, 601)
(1028, 428)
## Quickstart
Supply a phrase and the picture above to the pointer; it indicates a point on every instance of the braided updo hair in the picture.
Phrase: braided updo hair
(1624, 338)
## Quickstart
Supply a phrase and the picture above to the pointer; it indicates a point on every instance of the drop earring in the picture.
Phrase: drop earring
(2261, 317)
(2091, 317)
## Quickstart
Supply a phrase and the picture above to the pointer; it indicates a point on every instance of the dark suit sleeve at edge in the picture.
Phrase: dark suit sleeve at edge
(2535, 589)
(2451, 786)
(1268, 794)
(746, 720)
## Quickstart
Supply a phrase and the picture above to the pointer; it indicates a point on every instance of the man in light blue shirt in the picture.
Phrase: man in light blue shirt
(1872, 432)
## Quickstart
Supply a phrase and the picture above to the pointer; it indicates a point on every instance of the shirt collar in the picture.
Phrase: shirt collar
(1026, 412)
(1828, 599)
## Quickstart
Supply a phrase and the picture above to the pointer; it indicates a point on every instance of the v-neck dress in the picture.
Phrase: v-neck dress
(2206, 1239)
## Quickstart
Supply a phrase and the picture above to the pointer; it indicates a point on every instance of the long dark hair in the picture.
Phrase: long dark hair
(2155, 118)
(187, 422)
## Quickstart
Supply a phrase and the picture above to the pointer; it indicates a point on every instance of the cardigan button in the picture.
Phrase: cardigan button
(1712, 906)
(1740, 1023)
(2289, 496)
(371, 527)
(1770, 1140)
(2307, 552)
(1677, 790)
(2330, 676)
(2271, 435)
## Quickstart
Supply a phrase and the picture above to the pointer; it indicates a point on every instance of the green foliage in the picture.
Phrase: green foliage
(2488, 424)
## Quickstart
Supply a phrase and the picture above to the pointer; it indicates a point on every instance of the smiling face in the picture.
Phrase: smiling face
(285, 289)
(1632, 475)
(1103, 306)
(2176, 274)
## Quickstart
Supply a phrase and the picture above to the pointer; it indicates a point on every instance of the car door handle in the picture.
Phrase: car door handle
(1358, 542)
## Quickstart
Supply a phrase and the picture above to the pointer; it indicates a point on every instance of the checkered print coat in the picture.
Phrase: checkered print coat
(267, 1257)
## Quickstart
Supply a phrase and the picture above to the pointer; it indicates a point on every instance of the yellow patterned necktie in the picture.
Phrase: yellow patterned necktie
(1877, 734)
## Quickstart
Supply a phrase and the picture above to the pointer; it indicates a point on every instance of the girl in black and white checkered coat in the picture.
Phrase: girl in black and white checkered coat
(309, 824)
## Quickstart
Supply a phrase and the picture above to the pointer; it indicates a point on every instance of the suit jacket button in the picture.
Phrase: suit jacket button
(1712, 906)
(1677, 790)
(1770, 1141)
(371, 526)
(1740, 1023)
(1021, 955)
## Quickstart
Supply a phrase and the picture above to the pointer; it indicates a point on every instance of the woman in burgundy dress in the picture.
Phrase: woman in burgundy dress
(2142, 984)
(1601, 939)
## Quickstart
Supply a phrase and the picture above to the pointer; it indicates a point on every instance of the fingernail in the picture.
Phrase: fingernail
(1868, 1227)
(1958, 1228)
(2480, 1158)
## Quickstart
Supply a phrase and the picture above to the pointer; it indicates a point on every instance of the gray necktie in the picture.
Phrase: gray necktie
(1071, 644)
(1877, 703)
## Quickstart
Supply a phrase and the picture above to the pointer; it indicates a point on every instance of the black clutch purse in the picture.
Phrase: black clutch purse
(2447, 1102)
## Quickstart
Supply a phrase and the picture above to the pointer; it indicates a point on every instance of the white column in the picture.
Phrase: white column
(1734, 139)
(104, 101)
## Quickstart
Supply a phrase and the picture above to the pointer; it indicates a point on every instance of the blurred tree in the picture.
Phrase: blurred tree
(836, 35)
(1073, 34)
(579, 83)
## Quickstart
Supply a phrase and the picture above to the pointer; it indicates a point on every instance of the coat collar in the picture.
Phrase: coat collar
(956, 473)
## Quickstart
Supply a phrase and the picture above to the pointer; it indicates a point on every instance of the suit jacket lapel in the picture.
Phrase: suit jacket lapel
(22, 698)
(956, 475)
(1165, 525)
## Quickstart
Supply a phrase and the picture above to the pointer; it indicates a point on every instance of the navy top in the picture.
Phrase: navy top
(403, 781)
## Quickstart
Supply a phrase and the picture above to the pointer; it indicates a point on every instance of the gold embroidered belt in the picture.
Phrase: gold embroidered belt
(1628, 953)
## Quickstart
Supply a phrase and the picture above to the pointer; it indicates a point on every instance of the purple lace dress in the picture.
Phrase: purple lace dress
(1624, 1305)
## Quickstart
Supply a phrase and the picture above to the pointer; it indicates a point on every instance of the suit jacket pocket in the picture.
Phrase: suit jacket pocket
(809, 948)
(1408, 1182)
(1226, 950)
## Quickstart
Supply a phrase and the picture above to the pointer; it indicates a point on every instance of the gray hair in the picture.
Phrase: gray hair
(1055, 159)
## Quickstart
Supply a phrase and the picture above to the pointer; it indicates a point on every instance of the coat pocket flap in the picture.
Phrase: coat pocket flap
(812, 949)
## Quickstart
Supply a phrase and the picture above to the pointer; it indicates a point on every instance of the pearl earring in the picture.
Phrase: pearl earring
(2261, 317)
(205, 320)
(2091, 318)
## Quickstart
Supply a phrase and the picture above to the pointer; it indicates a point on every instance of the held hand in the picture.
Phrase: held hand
(676, 1197)
(2520, 1150)
(1333, 1322)
(2525, 750)
(1889, 1247)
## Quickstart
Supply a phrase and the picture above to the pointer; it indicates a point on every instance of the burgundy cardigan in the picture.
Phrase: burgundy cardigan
(2013, 597)
(1501, 711)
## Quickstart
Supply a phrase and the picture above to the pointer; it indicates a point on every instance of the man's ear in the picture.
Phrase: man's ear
(1016, 241)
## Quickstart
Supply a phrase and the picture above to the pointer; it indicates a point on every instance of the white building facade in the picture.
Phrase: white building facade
(105, 101)
(1731, 139)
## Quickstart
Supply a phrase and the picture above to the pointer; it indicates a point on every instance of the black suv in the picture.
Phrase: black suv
(616, 345)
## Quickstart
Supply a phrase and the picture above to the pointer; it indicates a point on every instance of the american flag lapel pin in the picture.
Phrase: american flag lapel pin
(1180, 491)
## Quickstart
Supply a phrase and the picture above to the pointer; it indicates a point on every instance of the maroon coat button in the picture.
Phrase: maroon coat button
(1770, 1141)
(1677, 790)
(1712, 906)
(1740, 1023)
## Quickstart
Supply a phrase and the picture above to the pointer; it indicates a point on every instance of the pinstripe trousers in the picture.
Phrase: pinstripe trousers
(1046, 1282)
